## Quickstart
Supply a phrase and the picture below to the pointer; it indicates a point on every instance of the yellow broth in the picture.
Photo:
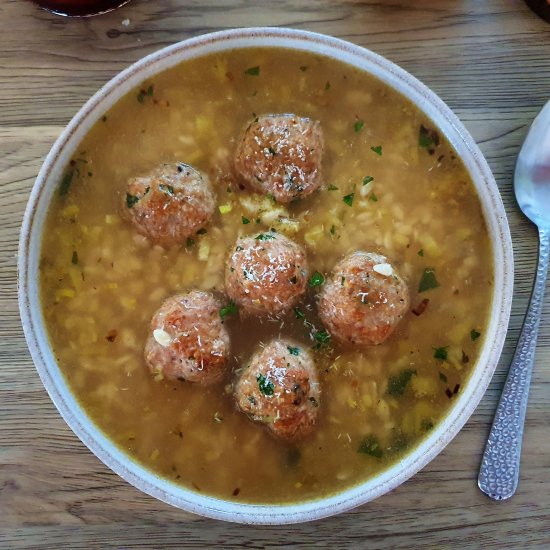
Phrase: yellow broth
(392, 186)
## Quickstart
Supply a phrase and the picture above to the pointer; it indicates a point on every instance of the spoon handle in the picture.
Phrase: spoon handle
(499, 472)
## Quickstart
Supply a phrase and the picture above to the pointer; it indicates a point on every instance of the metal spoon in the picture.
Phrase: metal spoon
(499, 472)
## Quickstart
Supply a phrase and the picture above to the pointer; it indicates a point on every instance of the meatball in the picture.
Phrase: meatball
(170, 203)
(281, 155)
(363, 300)
(188, 340)
(266, 274)
(280, 389)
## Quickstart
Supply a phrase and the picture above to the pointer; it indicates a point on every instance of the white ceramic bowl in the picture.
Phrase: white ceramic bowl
(33, 322)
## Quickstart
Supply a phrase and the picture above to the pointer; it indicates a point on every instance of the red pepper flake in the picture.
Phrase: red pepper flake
(448, 393)
(111, 335)
(456, 388)
(236, 491)
(421, 307)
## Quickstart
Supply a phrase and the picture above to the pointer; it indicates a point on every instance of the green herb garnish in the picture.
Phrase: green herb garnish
(373, 197)
(398, 384)
(474, 334)
(332, 188)
(377, 150)
(265, 385)
(293, 351)
(190, 242)
(441, 353)
(66, 183)
(370, 446)
(322, 337)
(272, 151)
(367, 179)
(348, 199)
(253, 71)
(74, 259)
(332, 229)
(426, 424)
(327, 86)
(421, 252)
(168, 189)
(428, 280)
(316, 279)
(230, 309)
(265, 237)
(358, 126)
(299, 313)
(131, 200)
(246, 221)
(442, 377)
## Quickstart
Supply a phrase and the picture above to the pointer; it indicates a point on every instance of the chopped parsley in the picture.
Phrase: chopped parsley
(293, 351)
(190, 242)
(427, 139)
(66, 183)
(358, 126)
(398, 384)
(74, 259)
(421, 252)
(168, 189)
(327, 86)
(441, 353)
(474, 334)
(370, 446)
(428, 280)
(239, 249)
(253, 71)
(332, 229)
(426, 424)
(265, 385)
(230, 309)
(322, 337)
(272, 151)
(377, 150)
(373, 197)
(367, 179)
(246, 221)
(316, 279)
(299, 313)
(265, 237)
(443, 377)
(332, 188)
(348, 199)
(145, 93)
(131, 200)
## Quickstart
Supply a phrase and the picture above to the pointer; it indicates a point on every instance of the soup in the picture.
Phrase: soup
(391, 185)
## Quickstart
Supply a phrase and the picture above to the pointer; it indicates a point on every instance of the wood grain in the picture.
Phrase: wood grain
(488, 60)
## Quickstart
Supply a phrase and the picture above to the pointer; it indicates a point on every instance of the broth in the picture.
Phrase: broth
(392, 185)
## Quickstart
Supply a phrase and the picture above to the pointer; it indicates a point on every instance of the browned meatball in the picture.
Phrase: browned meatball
(170, 203)
(280, 389)
(188, 340)
(363, 300)
(281, 155)
(266, 274)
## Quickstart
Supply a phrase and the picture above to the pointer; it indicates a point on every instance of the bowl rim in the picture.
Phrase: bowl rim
(34, 325)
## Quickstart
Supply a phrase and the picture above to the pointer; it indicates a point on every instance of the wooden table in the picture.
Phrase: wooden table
(489, 60)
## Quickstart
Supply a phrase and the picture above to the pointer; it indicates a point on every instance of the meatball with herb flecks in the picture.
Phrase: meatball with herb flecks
(363, 299)
(266, 273)
(188, 340)
(169, 204)
(280, 389)
(281, 155)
